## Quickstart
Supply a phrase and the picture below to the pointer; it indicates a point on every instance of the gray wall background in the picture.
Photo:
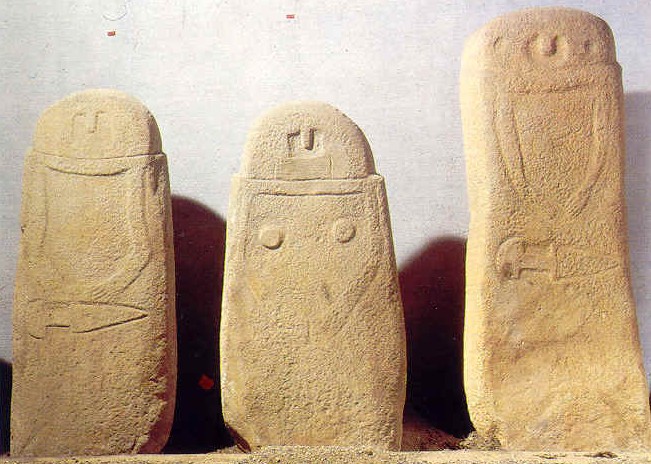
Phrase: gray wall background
(207, 68)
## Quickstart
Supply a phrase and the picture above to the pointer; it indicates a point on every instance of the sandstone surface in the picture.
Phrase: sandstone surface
(312, 332)
(94, 325)
(552, 355)
(353, 455)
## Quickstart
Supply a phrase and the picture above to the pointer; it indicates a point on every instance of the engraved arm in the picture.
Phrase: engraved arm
(509, 145)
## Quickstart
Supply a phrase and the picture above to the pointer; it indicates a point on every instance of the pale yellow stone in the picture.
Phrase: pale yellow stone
(94, 327)
(312, 332)
(351, 455)
(552, 356)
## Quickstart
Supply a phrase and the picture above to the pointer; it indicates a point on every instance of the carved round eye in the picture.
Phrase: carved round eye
(271, 237)
(344, 230)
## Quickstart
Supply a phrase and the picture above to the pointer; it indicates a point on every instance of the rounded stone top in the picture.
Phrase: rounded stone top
(306, 140)
(95, 124)
(539, 39)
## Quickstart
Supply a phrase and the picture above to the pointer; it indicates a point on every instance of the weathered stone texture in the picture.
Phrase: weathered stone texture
(94, 326)
(350, 455)
(312, 331)
(552, 356)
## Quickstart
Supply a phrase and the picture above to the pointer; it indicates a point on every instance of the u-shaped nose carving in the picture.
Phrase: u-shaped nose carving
(306, 136)
(306, 157)
(86, 122)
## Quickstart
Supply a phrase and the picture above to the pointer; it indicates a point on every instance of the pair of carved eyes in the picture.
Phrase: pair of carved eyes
(550, 46)
(272, 237)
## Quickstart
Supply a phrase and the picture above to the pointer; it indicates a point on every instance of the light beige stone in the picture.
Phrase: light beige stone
(312, 331)
(351, 455)
(552, 356)
(94, 326)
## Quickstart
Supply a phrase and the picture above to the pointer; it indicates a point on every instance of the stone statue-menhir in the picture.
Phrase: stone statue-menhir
(312, 331)
(94, 325)
(552, 355)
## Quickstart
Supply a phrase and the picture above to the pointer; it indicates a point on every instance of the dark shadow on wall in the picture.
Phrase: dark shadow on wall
(5, 405)
(638, 195)
(199, 236)
(432, 287)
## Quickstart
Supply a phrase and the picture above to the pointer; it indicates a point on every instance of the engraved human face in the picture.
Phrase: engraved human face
(551, 42)
(558, 48)
(95, 133)
(97, 124)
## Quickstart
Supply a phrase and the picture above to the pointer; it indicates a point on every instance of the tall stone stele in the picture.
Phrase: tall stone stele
(94, 327)
(312, 331)
(552, 355)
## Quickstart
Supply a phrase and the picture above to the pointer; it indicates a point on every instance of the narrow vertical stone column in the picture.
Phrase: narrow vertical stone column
(94, 323)
(312, 331)
(552, 356)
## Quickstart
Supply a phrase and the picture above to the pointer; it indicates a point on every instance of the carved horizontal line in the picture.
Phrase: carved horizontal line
(107, 158)
(310, 187)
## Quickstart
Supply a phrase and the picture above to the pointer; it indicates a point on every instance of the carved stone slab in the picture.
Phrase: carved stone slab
(312, 332)
(552, 356)
(94, 326)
